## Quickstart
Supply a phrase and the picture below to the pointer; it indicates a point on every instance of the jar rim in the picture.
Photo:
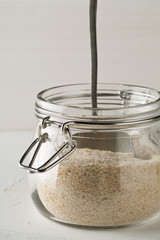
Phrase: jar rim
(116, 103)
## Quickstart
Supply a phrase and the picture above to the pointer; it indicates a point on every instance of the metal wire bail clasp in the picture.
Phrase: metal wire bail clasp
(70, 145)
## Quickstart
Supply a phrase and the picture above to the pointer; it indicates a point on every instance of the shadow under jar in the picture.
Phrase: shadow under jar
(98, 169)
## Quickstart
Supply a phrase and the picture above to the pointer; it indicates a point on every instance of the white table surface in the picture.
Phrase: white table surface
(19, 219)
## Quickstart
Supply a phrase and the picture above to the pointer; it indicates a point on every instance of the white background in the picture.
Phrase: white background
(44, 43)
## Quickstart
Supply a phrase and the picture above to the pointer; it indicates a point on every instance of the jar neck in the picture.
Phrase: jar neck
(118, 104)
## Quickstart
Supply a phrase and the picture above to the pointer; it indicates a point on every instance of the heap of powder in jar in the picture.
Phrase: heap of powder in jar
(95, 187)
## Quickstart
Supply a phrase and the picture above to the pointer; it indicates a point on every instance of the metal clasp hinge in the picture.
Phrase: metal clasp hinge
(42, 138)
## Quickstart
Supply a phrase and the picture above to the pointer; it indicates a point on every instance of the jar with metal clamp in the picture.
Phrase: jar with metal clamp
(100, 169)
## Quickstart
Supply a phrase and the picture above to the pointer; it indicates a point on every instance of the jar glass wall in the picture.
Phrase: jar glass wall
(112, 178)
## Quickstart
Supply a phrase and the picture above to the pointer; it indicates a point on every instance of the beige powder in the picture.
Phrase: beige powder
(95, 187)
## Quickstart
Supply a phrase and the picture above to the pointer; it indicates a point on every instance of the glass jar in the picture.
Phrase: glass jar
(96, 167)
